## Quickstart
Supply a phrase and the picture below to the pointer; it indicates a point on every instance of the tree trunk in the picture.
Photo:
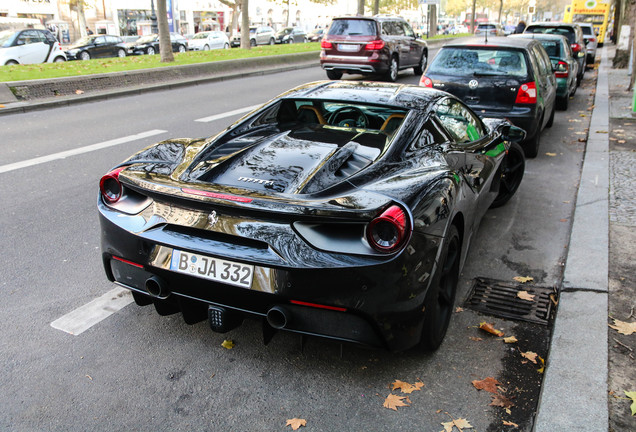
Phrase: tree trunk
(472, 18)
(245, 25)
(360, 7)
(500, 9)
(288, 12)
(81, 18)
(376, 7)
(165, 47)
(432, 20)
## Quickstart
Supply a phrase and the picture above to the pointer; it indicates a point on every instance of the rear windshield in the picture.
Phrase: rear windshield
(486, 26)
(473, 61)
(563, 31)
(553, 48)
(587, 30)
(353, 27)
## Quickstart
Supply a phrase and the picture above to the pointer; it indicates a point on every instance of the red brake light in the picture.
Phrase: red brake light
(576, 47)
(426, 82)
(374, 45)
(592, 40)
(562, 70)
(527, 93)
(326, 44)
(387, 232)
(110, 187)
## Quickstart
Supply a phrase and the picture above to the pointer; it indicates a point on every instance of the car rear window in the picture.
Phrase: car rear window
(568, 32)
(472, 61)
(353, 27)
(486, 26)
(587, 30)
(553, 48)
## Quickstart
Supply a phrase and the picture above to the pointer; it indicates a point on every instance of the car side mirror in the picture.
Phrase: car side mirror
(512, 133)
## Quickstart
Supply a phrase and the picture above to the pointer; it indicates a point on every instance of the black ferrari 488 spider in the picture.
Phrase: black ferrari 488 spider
(338, 209)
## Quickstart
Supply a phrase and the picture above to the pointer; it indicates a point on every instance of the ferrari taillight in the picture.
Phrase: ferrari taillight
(374, 45)
(389, 231)
(527, 93)
(561, 70)
(426, 82)
(110, 186)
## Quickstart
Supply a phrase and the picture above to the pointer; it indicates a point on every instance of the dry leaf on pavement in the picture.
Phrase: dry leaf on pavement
(407, 387)
(507, 423)
(501, 401)
(476, 339)
(525, 295)
(295, 423)
(623, 327)
(488, 327)
(523, 279)
(489, 384)
(550, 154)
(393, 401)
(228, 344)
(532, 356)
(460, 424)
(510, 339)
(632, 396)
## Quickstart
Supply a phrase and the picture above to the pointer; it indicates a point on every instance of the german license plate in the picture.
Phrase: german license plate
(218, 270)
(348, 47)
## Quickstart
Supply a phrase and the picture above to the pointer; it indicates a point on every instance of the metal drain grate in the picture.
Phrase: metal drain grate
(499, 298)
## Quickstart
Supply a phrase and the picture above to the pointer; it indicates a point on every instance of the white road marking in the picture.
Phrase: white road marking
(84, 317)
(228, 114)
(77, 151)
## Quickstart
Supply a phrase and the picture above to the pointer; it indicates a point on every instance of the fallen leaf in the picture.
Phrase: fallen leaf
(532, 356)
(459, 309)
(581, 115)
(550, 154)
(507, 423)
(523, 279)
(525, 295)
(554, 299)
(563, 220)
(476, 339)
(582, 140)
(622, 141)
(624, 327)
(460, 424)
(406, 387)
(489, 384)
(393, 401)
(295, 423)
(601, 131)
(542, 368)
(501, 401)
(488, 327)
(228, 344)
(632, 396)
(510, 339)
(79, 92)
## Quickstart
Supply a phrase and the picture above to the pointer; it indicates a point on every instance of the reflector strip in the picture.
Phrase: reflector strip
(319, 306)
(216, 195)
(128, 262)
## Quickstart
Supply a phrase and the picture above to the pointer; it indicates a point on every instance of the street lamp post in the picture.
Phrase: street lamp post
(153, 18)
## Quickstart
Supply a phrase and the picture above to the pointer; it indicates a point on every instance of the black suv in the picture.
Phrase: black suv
(372, 45)
(505, 77)
(573, 32)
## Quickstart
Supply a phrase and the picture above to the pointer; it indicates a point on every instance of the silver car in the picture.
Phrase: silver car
(591, 41)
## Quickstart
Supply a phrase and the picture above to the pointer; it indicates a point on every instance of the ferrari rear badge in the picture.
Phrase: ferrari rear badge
(473, 84)
(213, 218)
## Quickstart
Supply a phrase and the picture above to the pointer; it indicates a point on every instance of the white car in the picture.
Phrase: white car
(591, 41)
(29, 46)
(207, 40)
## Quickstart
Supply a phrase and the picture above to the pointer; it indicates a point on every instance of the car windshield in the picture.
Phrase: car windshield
(146, 39)
(7, 37)
(285, 31)
(201, 35)
(563, 31)
(352, 27)
(86, 40)
(473, 61)
(552, 47)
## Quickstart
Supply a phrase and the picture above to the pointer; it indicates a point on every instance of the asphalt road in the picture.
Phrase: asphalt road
(136, 370)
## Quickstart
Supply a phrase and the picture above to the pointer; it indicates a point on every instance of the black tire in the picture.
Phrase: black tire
(252, 42)
(11, 63)
(226, 46)
(531, 147)
(334, 75)
(440, 299)
(563, 102)
(512, 168)
(291, 41)
(272, 41)
(551, 119)
(394, 67)
(59, 59)
(206, 47)
(121, 53)
(182, 48)
(150, 51)
(84, 55)
(419, 69)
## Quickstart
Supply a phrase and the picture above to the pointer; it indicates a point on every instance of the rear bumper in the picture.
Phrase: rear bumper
(376, 63)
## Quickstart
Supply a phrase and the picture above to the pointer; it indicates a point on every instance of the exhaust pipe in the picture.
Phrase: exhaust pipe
(157, 287)
(278, 317)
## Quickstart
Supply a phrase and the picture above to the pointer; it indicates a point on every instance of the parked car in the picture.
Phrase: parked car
(492, 29)
(507, 77)
(97, 46)
(372, 45)
(591, 41)
(315, 35)
(289, 35)
(263, 35)
(29, 46)
(150, 44)
(339, 209)
(207, 40)
(573, 32)
(564, 64)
